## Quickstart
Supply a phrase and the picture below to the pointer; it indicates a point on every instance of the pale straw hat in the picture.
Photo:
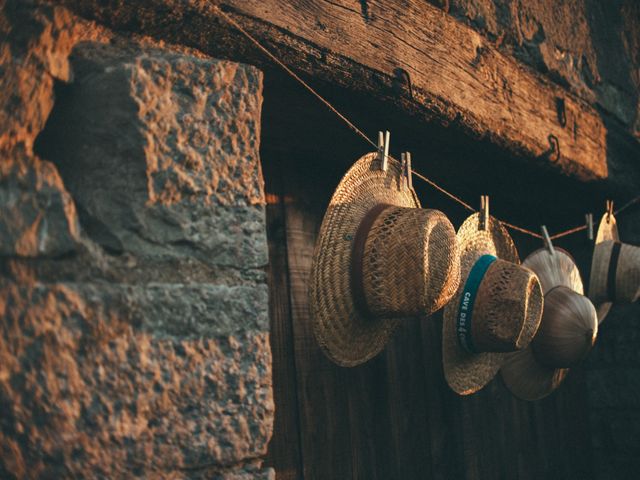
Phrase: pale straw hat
(615, 269)
(497, 308)
(379, 257)
(567, 331)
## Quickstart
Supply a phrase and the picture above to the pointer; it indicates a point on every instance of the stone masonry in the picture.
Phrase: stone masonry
(134, 334)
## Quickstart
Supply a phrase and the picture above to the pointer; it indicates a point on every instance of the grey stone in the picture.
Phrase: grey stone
(262, 474)
(35, 42)
(175, 311)
(152, 359)
(82, 389)
(37, 215)
(160, 152)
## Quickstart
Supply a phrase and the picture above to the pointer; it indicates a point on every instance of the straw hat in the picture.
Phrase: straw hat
(567, 331)
(615, 269)
(497, 308)
(379, 257)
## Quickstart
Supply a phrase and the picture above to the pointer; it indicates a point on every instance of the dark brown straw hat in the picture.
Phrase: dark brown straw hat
(615, 269)
(567, 331)
(497, 308)
(379, 257)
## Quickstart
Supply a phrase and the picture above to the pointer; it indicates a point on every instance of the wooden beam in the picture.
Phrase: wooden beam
(407, 52)
(452, 70)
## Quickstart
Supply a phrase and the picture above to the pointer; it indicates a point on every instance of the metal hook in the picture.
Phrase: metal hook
(547, 240)
(609, 205)
(383, 149)
(554, 148)
(484, 212)
(589, 218)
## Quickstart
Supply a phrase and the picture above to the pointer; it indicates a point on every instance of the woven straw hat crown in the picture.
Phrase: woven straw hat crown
(615, 269)
(506, 308)
(507, 304)
(624, 280)
(379, 257)
(410, 262)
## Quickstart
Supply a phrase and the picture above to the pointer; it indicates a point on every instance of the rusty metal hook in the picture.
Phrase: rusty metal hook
(554, 150)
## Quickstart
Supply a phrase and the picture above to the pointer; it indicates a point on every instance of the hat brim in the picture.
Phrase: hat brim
(523, 375)
(527, 379)
(347, 337)
(607, 230)
(466, 372)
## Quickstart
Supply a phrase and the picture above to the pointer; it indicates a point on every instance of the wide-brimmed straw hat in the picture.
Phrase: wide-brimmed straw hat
(379, 257)
(497, 308)
(615, 269)
(567, 331)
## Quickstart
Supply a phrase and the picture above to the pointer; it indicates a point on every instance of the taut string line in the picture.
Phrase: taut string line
(359, 132)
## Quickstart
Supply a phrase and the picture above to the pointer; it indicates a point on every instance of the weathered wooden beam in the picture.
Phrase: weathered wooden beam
(450, 64)
(408, 52)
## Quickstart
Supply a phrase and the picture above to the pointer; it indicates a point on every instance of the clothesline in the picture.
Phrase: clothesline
(360, 133)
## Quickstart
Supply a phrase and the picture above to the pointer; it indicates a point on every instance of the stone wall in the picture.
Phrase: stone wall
(134, 334)
(134, 338)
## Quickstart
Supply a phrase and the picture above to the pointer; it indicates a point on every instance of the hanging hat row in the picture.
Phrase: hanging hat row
(380, 257)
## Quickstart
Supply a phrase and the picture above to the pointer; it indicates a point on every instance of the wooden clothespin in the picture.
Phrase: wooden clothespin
(589, 219)
(547, 240)
(406, 168)
(609, 210)
(484, 212)
(383, 149)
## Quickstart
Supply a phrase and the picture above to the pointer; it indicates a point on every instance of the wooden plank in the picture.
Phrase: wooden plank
(322, 386)
(441, 405)
(284, 449)
(369, 421)
(407, 385)
(456, 76)
(395, 417)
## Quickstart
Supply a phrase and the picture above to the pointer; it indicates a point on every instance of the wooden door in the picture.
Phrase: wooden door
(393, 417)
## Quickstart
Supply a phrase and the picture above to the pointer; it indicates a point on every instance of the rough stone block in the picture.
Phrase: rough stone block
(247, 474)
(83, 389)
(160, 152)
(35, 41)
(37, 215)
(180, 312)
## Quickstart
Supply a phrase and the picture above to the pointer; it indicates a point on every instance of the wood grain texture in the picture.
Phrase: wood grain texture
(321, 387)
(284, 453)
(394, 417)
(453, 71)
(408, 53)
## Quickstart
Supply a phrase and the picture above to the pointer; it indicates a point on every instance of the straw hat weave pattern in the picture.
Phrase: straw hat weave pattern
(379, 257)
(506, 313)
